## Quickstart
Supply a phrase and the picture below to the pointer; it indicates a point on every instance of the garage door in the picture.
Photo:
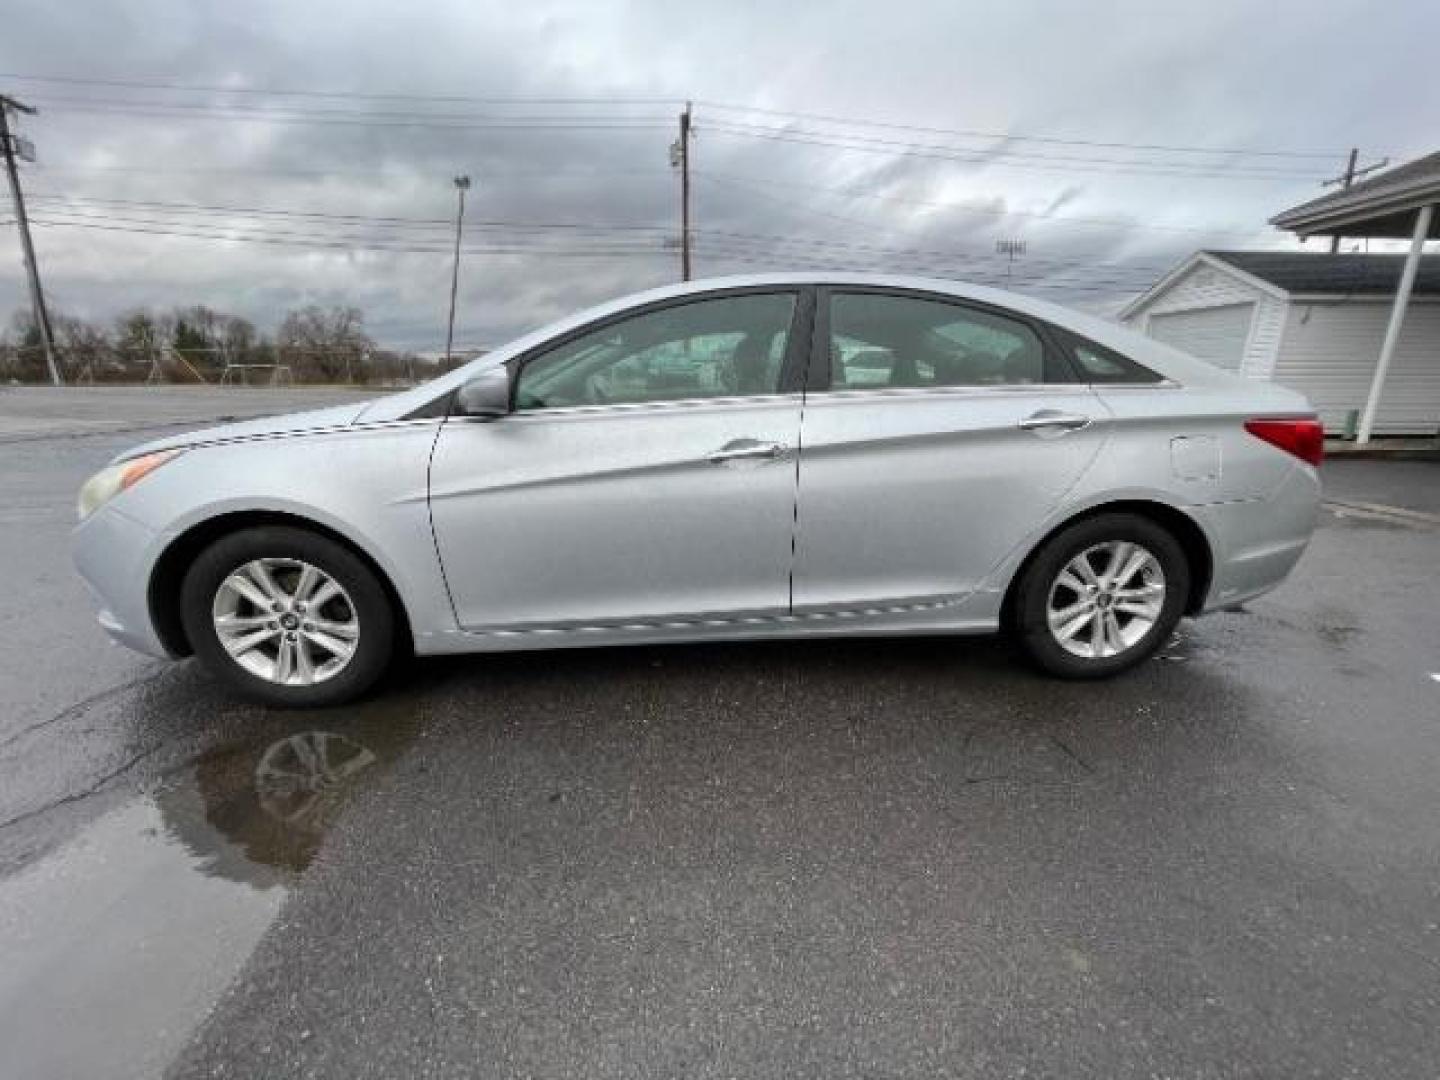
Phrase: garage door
(1215, 334)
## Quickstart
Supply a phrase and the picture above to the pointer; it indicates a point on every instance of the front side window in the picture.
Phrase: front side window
(726, 346)
(879, 340)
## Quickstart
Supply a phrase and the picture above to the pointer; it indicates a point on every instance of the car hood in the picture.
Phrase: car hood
(263, 427)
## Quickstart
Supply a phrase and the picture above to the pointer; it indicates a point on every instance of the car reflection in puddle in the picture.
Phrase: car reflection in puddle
(170, 891)
(258, 812)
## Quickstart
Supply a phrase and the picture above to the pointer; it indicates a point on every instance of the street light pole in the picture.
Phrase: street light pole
(462, 184)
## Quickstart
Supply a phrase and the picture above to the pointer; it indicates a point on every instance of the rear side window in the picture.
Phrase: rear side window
(1097, 364)
(882, 340)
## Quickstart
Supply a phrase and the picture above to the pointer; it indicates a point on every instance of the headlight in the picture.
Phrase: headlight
(109, 482)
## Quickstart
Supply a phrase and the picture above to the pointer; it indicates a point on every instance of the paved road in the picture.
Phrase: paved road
(30, 412)
(1414, 485)
(895, 858)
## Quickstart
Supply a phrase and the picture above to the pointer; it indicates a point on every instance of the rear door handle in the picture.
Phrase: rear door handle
(1055, 422)
(747, 449)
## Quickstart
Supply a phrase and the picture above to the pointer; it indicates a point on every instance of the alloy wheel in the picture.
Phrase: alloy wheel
(1106, 599)
(286, 621)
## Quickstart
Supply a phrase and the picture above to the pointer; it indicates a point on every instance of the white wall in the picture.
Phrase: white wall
(1205, 286)
(1329, 350)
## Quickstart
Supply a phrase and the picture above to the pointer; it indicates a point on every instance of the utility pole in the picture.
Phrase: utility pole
(1348, 177)
(680, 158)
(462, 185)
(32, 269)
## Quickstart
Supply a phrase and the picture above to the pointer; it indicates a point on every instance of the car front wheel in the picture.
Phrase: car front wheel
(288, 617)
(1101, 595)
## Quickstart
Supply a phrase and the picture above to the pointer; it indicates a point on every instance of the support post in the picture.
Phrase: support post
(1423, 218)
(684, 144)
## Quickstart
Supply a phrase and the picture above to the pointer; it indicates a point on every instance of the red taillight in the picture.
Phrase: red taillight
(1304, 438)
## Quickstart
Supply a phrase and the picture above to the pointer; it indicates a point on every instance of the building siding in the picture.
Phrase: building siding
(1329, 350)
(1204, 286)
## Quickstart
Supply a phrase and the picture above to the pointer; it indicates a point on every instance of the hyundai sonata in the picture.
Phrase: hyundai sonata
(757, 457)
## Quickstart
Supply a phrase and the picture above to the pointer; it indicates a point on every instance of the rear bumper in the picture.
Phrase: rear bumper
(1257, 542)
(114, 555)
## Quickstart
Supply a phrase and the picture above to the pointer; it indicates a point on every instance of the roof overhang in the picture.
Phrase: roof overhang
(1372, 209)
(1200, 258)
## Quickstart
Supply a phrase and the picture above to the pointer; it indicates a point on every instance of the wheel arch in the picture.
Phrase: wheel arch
(1185, 529)
(163, 590)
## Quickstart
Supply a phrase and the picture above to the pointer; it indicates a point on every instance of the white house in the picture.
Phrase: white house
(1312, 322)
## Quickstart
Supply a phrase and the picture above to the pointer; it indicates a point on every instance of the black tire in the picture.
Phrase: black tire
(1032, 596)
(366, 595)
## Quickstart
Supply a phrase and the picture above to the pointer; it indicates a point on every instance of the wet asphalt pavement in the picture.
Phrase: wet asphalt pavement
(866, 858)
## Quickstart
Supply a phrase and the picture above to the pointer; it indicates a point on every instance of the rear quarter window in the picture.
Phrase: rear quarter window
(1095, 363)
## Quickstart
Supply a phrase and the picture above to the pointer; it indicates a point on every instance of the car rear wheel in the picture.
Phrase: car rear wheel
(288, 617)
(1101, 595)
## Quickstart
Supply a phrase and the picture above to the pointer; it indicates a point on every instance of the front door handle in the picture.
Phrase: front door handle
(747, 449)
(1054, 422)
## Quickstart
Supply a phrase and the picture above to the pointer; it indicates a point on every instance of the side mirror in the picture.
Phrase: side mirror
(486, 395)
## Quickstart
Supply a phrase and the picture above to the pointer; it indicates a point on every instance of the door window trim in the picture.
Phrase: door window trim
(792, 367)
(818, 371)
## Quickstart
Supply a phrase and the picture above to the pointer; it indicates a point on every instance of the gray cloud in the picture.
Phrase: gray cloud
(1287, 75)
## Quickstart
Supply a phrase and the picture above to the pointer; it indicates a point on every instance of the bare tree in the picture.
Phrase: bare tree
(325, 345)
(84, 348)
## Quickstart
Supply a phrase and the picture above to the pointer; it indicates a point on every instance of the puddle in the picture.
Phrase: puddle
(257, 813)
(114, 947)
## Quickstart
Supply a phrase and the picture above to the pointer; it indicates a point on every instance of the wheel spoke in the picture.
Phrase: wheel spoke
(341, 650)
(234, 624)
(261, 575)
(285, 661)
(243, 643)
(1080, 565)
(1073, 626)
(324, 594)
(304, 666)
(1113, 637)
(346, 630)
(1132, 566)
(245, 587)
(1142, 592)
(1119, 554)
(309, 578)
(1097, 635)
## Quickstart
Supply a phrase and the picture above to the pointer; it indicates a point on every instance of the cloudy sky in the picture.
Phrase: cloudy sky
(257, 156)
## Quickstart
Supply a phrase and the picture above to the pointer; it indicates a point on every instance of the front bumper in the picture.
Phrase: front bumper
(114, 555)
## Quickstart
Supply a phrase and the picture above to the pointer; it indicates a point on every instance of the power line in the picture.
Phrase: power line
(1010, 136)
(754, 185)
(1000, 159)
(335, 243)
(379, 220)
(241, 170)
(144, 216)
(664, 101)
(136, 84)
(821, 266)
(335, 118)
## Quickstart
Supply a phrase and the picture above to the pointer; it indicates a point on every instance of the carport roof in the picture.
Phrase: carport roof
(1382, 206)
(1312, 272)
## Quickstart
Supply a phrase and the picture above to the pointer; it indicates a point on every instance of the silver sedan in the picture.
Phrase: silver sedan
(756, 457)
